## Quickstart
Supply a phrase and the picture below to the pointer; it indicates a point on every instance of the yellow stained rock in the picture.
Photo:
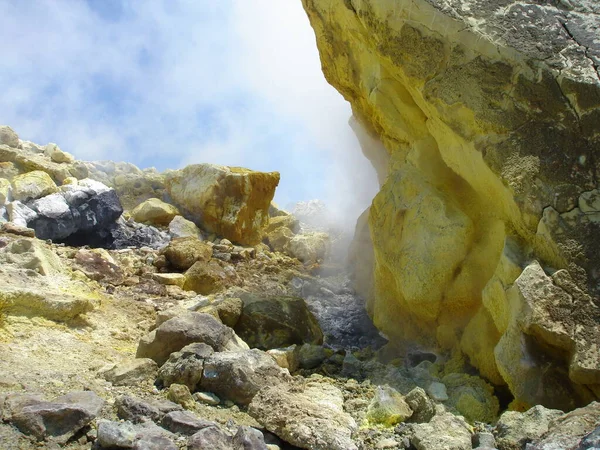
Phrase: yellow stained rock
(230, 201)
(33, 185)
(154, 211)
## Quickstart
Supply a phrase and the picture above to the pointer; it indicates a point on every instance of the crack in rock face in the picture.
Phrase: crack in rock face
(483, 122)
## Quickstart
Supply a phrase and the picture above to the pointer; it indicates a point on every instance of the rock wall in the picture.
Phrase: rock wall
(483, 121)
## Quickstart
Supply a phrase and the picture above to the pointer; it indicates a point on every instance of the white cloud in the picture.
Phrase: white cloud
(234, 82)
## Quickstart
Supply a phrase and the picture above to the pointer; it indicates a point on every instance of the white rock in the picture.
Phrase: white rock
(20, 214)
(96, 186)
(52, 206)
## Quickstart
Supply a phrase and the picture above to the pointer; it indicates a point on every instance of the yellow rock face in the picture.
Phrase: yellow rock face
(482, 153)
(33, 185)
(154, 211)
(229, 201)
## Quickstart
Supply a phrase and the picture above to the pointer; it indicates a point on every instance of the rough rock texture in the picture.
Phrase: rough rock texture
(183, 252)
(309, 416)
(238, 376)
(59, 419)
(154, 211)
(483, 120)
(32, 185)
(176, 333)
(445, 431)
(568, 430)
(230, 201)
(515, 430)
(270, 322)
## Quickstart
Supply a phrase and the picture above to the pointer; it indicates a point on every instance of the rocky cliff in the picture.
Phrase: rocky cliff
(483, 121)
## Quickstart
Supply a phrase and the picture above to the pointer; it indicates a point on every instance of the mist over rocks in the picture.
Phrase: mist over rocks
(482, 119)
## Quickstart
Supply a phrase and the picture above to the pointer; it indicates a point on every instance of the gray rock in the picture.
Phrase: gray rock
(591, 441)
(154, 442)
(116, 434)
(420, 403)
(176, 333)
(185, 366)
(307, 415)
(210, 438)
(445, 431)
(184, 422)
(60, 419)
(568, 430)
(311, 356)
(248, 438)
(152, 437)
(269, 322)
(238, 376)
(8, 136)
(180, 227)
(515, 429)
(137, 411)
(132, 372)
(484, 440)
(14, 402)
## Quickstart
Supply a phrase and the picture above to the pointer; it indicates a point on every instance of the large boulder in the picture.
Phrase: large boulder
(155, 212)
(550, 325)
(238, 376)
(484, 141)
(569, 430)
(59, 419)
(229, 201)
(174, 334)
(76, 212)
(270, 322)
(32, 185)
(307, 415)
(515, 430)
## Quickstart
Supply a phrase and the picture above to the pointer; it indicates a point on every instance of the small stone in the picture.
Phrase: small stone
(170, 279)
(484, 440)
(422, 406)
(437, 391)
(207, 398)
(210, 438)
(180, 227)
(248, 438)
(388, 407)
(132, 372)
(180, 394)
(184, 422)
(116, 434)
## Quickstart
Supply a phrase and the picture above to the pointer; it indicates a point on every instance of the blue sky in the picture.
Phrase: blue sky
(166, 83)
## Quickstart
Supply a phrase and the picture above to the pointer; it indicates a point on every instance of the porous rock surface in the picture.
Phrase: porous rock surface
(230, 201)
(483, 121)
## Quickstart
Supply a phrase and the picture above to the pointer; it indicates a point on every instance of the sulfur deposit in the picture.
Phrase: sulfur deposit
(483, 122)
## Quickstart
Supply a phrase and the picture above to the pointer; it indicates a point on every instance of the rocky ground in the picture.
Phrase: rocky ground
(137, 329)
